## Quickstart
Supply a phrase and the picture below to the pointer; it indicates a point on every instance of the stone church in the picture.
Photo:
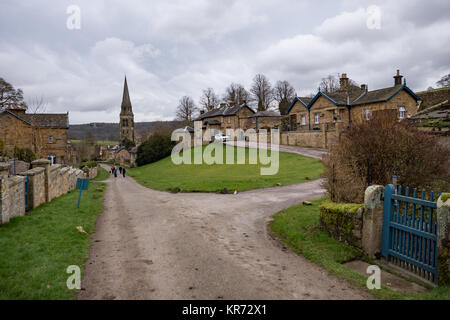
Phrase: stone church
(126, 117)
(123, 155)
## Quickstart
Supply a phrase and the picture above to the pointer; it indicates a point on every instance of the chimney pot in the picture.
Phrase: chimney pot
(398, 79)
(343, 81)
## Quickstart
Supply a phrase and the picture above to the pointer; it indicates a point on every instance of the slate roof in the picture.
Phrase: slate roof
(223, 111)
(265, 114)
(42, 120)
(48, 120)
(356, 96)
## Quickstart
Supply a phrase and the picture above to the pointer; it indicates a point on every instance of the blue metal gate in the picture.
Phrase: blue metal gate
(410, 231)
(26, 193)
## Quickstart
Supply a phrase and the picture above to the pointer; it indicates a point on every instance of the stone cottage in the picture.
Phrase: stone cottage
(43, 133)
(227, 117)
(351, 104)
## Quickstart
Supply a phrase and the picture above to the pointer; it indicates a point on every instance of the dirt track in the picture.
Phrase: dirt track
(157, 245)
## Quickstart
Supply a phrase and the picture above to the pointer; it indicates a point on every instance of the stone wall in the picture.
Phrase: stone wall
(310, 139)
(343, 221)
(36, 187)
(12, 195)
(45, 182)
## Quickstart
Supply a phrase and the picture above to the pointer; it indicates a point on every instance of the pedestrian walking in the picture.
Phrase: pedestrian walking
(120, 170)
(112, 170)
(115, 173)
(123, 171)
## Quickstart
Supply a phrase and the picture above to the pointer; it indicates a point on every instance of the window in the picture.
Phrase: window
(50, 139)
(401, 112)
(366, 113)
(316, 118)
(253, 120)
(303, 120)
(229, 119)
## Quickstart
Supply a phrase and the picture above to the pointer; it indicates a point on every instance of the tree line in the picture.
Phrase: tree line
(262, 96)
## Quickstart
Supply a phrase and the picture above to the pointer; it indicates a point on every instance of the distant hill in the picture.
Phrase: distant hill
(110, 131)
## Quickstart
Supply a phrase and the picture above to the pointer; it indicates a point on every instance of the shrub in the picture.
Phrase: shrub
(89, 164)
(156, 147)
(24, 154)
(386, 147)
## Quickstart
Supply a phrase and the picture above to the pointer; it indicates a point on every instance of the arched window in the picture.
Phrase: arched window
(401, 112)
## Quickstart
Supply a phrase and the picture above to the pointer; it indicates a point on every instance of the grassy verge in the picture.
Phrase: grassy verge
(298, 226)
(37, 248)
(102, 175)
(165, 175)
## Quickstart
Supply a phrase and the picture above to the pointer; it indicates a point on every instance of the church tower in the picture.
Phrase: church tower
(126, 116)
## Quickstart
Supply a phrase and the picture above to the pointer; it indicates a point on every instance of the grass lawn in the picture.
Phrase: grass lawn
(298, 226)
(102, 175)
(37, 248)
(164, 175)
(99, 142)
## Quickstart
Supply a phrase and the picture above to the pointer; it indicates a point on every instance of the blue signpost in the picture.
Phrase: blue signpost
(82, 184)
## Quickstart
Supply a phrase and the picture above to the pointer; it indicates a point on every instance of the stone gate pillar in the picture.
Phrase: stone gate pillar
(44, 163)
(373, 220)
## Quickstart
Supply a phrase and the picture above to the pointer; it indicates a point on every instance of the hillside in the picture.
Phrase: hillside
(110, 131)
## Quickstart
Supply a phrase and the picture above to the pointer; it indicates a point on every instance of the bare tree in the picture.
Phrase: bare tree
(236, 94)
(284, 93)
(186, 109)
(262, 92)
(445, 81)
(209, 99)
(9, 95)
(329, 84)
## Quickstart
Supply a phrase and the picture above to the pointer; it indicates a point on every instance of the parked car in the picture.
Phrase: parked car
(221, 138)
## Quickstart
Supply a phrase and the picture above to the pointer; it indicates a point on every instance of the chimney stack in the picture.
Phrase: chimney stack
(202, 111)
(222, 104)
(343, 82)
(364, 87)
(398, 79)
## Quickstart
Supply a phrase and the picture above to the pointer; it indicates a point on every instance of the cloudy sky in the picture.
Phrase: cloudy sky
(173, 48)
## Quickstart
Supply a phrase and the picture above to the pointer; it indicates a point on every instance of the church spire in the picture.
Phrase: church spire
(126, 102)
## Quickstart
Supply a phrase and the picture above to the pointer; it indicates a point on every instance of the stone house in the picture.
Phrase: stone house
(43, 133)
(126, 157)
(265, 120)
(227, 117)
(351, 104)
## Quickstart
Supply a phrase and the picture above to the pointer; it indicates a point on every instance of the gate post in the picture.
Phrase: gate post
(387, 213)
(372, 220)
(443, 238)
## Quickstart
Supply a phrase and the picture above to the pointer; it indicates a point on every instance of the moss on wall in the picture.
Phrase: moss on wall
(445, 197)
(343, 221)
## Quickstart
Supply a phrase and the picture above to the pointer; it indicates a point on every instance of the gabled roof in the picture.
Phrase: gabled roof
(42, 120)
(355, 96)
(305, 101)
(384, 95)
(223, 111)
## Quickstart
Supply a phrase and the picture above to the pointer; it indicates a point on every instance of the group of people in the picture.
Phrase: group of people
(114, 171)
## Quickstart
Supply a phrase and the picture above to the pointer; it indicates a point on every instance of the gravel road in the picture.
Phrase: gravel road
(157, 245)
